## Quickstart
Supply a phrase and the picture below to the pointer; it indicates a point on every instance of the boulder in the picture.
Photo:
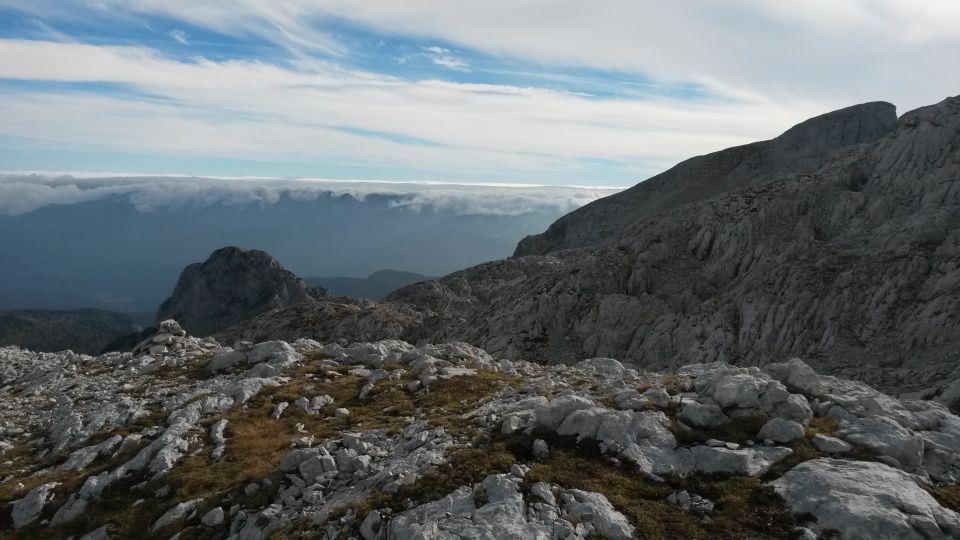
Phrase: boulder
(552, 414)
(703, 415)
(886, 437)
(540, 450)
(860, 499)
(780, 430)
(830, 445)
(746, 461)
(177, 514)
(594, 508)
(213, 518)
(26, 510)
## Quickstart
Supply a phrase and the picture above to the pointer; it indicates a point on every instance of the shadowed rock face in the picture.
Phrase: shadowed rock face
(231, 286)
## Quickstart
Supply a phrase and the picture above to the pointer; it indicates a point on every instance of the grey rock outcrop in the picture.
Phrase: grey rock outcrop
(28, 509)
(837, 241)
(865, 500)
(232, 285)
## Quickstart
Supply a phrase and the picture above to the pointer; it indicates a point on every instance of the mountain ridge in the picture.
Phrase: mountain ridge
(826, 263)
(801, 148)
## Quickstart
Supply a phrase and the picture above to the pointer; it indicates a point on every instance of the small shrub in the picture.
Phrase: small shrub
(821, 424)
(947, 495)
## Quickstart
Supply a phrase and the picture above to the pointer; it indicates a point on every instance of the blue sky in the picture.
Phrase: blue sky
(563, 92)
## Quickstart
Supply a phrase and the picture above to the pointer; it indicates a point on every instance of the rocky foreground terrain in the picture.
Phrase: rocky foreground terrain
(185, 438)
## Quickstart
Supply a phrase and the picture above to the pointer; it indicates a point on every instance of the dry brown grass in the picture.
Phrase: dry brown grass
(256, 443)
(744, 507)
(738, 430)
(255, 447)
(671, 383)
(821, 424)
(947, 495)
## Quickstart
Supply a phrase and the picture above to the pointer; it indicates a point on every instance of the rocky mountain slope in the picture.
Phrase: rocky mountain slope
(801, 150)
(185, 438)
(852, 261)
(232, 285)
(837, 241)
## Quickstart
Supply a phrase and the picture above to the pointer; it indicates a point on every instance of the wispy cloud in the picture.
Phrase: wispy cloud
(255, 110)
(446, 58)
(456, 88)
(180, 36)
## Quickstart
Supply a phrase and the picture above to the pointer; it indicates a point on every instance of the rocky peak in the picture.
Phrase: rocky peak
(858, 124)
(802, 149)
(233, 285)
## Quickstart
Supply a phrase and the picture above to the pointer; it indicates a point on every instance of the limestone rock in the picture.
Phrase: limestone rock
(213, 518)
(780, 430)
(703, 415)
(723, 257)
(177, 514)
(865, 500)
(26, 510)
(540, 449)
(886, 437)
(830, 445)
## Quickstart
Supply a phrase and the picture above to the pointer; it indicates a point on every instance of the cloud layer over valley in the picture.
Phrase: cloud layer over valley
(27, 191)
(120, 241)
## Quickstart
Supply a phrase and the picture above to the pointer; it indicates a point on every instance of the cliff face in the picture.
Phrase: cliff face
(231, 286)
(809, 244)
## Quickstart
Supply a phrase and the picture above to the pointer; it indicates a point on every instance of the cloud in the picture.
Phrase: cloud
(759, 68)
(446, 58)
(247, 109)
(777, 50)
(180, 36)
(781, 51)
(21, 193)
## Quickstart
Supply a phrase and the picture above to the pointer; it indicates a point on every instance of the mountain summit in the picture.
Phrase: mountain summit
(234, 284)
(800, 150)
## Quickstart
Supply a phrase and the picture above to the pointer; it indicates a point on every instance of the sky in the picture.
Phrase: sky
(556, 92)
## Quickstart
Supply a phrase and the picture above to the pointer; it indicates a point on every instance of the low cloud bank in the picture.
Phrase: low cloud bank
(23, 192)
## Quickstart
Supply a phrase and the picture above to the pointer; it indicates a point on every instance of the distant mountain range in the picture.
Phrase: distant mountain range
(120, 244)
(375, 286)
